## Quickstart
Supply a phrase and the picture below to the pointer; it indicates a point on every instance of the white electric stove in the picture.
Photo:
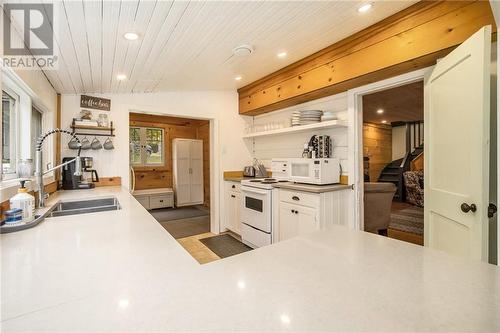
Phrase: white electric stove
(257, 211)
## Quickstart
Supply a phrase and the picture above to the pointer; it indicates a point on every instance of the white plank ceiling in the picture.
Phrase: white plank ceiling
(187, 45)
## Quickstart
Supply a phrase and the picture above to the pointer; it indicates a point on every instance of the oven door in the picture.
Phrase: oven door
(301, 171)
(256, 208)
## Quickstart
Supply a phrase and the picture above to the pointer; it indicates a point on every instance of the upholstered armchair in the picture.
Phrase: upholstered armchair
(377, 203)
(414, 185)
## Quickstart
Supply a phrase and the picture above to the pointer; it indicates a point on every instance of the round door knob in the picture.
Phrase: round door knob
(468, 208)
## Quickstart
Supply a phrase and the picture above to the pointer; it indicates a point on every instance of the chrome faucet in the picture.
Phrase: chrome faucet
(39, 164)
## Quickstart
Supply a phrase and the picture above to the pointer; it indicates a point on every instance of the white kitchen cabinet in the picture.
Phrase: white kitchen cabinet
(187, 159)
(300, 213)
(232, 204)
(296, 220)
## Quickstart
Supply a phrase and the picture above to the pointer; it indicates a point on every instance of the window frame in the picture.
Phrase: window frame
(143, 141)
(14, 136)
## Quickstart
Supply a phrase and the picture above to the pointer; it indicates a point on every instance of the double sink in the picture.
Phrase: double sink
(66, 208)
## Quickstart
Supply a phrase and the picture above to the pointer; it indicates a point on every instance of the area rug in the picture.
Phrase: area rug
(225, 245)
(408, 220)
(187, 227)
(169, 214)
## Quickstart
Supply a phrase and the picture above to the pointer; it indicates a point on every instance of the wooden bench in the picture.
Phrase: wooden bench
(155, 198)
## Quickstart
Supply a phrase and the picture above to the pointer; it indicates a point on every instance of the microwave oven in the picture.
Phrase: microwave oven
(318, 171)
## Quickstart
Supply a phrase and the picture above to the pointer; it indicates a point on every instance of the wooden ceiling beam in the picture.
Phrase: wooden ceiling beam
(411, 39)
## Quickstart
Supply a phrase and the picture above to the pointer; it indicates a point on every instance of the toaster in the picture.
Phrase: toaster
(249, 171)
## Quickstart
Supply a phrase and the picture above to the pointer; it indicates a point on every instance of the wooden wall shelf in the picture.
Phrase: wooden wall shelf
(297, 129)
(99, 130)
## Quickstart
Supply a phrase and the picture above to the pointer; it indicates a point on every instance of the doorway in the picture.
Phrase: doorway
(355, 98)
(170, 164)
(393, 162)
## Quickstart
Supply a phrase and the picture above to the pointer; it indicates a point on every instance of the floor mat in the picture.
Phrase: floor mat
(225, 245)
(187, 227)
(408, 220)
(168, 214)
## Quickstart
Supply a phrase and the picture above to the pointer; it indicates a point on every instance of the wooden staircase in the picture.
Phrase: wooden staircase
(393, 172)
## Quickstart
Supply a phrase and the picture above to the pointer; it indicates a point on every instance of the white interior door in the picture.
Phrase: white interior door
(456, 117)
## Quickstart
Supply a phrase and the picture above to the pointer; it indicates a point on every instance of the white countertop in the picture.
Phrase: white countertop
(312, 188)
(121, 271)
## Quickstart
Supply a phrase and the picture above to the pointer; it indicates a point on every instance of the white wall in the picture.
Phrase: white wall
(230, 151)
(398, 142)
(292, 145)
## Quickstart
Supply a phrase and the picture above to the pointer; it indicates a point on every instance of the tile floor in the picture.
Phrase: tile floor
(197, 249)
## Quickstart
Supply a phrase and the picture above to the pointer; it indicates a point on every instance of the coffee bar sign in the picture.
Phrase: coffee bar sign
(96, 103)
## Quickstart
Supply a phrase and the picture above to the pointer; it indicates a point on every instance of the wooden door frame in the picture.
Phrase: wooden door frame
(355, 136)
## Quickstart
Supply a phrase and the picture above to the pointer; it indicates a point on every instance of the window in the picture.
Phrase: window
(9, 139)
(36, 129)
(147, 146)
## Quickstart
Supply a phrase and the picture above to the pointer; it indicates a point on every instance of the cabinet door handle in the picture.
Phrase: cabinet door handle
(293, 212)
(234, 186)
(296, 212)
(161, 200)
(233, 196)
(296, 198)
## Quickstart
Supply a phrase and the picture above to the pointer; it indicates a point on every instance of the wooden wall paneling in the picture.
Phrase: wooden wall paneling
(419, 35)
(377, 145)
(108, 181)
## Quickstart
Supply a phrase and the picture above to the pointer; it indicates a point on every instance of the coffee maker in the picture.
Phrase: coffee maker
(72, 182)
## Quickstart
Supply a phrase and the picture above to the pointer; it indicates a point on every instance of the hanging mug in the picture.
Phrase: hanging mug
(73, 144)
(86, 145)
(96, 144)
(108, 144)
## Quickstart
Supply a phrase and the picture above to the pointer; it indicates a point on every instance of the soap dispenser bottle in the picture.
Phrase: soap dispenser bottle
(24, 201)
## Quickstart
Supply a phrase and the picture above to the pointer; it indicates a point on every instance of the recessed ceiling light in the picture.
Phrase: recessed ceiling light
(282, 54)
(238, 78)
(131, 35)
(121, 77)
(364, 8)
(380, 111)
(384, 121)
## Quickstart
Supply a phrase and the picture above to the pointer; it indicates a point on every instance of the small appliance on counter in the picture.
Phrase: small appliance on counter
(72, 182)
(87, 164)
(317, 171)
(249, 171)
(260, 169)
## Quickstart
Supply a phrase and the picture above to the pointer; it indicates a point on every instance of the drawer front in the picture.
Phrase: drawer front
(233, 186)
(144, 201)
(161, 201)
(253, 237)
(300, 198)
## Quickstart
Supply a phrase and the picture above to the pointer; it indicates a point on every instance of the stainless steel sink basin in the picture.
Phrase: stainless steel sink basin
(64, 208)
